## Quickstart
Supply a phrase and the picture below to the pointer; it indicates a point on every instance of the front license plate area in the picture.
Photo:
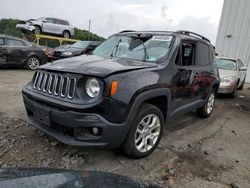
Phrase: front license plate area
(41, 115)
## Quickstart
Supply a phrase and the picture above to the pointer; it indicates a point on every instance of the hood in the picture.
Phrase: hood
(60, 178)
(95, 65)
(227, 73)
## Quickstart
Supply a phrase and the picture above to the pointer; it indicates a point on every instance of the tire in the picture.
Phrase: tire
(37, 30)
(137, 144)
(33, 63)
(206, 110)
(242, 85)
(66, 34)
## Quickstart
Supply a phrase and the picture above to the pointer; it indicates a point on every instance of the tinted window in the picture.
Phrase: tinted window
(50, 20)
(203, 54)
(14, 42)
(65, 22)
(1, 41)
(61, 22)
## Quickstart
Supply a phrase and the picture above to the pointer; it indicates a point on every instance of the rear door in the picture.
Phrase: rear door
(49, 26)
(16, 51)
(3, 51)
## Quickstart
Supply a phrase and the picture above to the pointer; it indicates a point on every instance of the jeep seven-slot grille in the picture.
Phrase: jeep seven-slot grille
(58, 85)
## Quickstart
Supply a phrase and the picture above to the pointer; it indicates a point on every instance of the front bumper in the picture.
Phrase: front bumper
(25, 27)
(226, 89)
(74, 128)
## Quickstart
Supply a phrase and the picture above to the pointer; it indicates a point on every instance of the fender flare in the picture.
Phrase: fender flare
(146, 95)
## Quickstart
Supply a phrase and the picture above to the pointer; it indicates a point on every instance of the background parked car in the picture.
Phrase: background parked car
(54, 178)
(48, 25)
(232, 75)
(78, 48)
(19, 52)
(62, 47)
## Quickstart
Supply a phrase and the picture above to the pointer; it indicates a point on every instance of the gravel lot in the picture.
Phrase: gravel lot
(193, 152)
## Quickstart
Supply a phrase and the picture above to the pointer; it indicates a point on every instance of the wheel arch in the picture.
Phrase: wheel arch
(41, 28)
(160, 97)
(66, 30)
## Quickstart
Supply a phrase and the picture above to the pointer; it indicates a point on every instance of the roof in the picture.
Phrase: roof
(182, 33)
(9, 36)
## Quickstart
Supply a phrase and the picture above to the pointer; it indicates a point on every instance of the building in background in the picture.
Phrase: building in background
(233, 38)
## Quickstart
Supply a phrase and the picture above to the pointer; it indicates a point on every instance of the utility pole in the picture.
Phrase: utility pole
(89, 29)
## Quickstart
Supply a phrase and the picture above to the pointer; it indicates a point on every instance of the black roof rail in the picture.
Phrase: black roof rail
(125, 31)
(191, 33)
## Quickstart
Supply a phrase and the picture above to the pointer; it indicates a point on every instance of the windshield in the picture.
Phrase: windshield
(227, 64)
(80, 44)
(149, 48)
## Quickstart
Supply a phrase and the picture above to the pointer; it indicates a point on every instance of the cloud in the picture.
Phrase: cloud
(108, 17)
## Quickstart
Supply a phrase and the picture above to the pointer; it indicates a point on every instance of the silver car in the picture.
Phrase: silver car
(232, 74)
(48, 25)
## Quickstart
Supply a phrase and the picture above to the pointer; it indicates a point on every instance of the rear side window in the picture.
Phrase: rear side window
(1, 41)
(61, 22)
(203, 54)
(14, 42)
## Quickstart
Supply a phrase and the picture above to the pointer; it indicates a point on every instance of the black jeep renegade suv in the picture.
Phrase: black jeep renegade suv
(123, 94)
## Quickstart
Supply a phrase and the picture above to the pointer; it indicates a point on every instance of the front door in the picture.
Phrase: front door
(186, 85)
(16, 51)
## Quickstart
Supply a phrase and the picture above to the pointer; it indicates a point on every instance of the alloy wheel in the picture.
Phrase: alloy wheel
(210, 103)
(147, 133)
(33, 63)
(66, 34)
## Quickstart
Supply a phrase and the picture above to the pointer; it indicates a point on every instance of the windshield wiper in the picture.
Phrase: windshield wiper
(116, 48)
(145, 52)
(141, 37)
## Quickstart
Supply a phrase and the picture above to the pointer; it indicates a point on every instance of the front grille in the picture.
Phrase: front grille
(54, 84)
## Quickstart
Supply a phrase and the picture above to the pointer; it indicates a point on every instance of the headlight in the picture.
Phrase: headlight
(67, 53)
(227, 81)
(93, 87)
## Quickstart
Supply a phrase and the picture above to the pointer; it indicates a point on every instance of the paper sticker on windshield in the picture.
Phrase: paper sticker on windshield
(162, 38)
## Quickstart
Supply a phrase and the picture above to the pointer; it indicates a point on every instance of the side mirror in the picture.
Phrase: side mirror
(243, 69)
(44, 21)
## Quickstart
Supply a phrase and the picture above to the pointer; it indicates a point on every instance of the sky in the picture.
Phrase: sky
(111, 16)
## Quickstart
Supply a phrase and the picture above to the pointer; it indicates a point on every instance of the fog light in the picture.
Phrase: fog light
(95, 131)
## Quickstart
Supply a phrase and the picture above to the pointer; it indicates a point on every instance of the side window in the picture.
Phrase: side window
(187, 54)
(15, 43)
(50, 20)
(1, 41)
(203, 54)
(59, 22)
(65, 22)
